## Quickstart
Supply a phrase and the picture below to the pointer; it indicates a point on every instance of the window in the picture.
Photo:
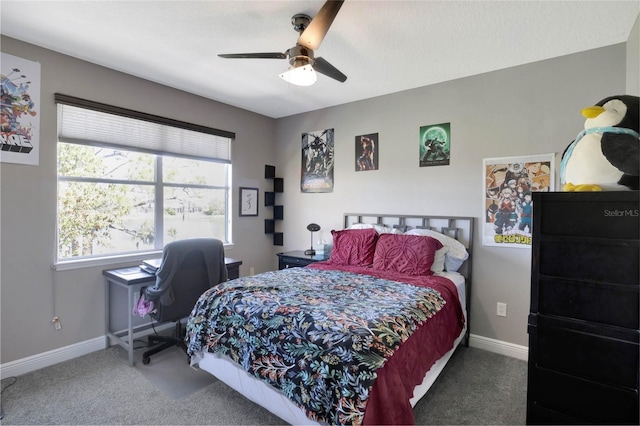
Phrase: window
(127, 184)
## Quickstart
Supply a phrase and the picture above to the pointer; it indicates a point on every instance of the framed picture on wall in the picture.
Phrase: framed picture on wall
(317, 161)
(20, 110)
(435, 145)
(507, 203)
(367, 152)
(248, 201)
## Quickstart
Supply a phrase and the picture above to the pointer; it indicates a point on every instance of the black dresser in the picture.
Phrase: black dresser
(583, 325)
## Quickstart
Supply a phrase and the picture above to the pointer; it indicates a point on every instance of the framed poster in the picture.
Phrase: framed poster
(317, 161)
(367, 152)
(507, 204)
(20, 128)
(435, 145)
(248, 201)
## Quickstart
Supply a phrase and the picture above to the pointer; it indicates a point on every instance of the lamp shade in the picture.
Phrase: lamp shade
(312, 227)
(300, 76)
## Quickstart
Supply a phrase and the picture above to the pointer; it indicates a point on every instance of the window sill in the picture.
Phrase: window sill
(110, 260)
(105, 261)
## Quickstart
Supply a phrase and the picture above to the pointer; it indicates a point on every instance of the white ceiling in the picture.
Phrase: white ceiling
(382, 46)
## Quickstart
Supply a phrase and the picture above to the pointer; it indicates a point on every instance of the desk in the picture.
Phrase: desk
(131, 280)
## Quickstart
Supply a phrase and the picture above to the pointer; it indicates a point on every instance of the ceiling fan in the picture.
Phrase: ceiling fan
(304, 64)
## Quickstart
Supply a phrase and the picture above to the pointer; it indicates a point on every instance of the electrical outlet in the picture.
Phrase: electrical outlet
(252, 271)
(56, 323)
(501, 309)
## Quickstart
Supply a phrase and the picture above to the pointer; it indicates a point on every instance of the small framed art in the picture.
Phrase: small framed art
(248, 201)
(435, 145)
(367, 152)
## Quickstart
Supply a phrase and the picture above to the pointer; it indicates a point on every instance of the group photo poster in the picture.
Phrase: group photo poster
(507, 200)
(20, 128)
(367, 152)
(317, 161)
(435, 145)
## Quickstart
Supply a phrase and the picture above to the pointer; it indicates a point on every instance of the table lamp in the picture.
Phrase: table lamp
(312, 227)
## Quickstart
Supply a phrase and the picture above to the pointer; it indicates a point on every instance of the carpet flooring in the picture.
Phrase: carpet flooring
(477, 387)
(170, 372)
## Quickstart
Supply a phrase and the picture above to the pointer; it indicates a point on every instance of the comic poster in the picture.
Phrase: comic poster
(435, 145)
(367, 152)
(507, 201)
(20, 129)
(317, 161)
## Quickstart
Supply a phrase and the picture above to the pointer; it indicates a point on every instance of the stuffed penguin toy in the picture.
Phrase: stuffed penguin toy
(606, 154)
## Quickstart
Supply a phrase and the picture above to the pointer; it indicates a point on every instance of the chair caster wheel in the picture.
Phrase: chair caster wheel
(146, 361)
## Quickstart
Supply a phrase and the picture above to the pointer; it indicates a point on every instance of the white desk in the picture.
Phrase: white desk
(130, 280)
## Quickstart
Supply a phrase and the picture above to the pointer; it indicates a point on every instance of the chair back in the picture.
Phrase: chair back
(188, 269)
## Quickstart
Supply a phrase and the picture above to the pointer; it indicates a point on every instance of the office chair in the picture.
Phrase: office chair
(188, 268)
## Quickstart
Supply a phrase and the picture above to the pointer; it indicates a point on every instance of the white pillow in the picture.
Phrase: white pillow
(439, 260)
(457, 253)
(380, 229)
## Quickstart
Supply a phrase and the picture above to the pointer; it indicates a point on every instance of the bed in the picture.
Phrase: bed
(357, 339)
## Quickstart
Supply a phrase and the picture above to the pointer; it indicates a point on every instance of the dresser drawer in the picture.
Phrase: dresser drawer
(603, 354)
(540, 415)
(590, 259)
(298, 258)
(614, 214)
(583, 400)
(603, 303)
(293, 262)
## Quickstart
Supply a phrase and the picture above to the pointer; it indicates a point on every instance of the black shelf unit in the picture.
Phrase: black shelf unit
(584, 319)
(270, 200)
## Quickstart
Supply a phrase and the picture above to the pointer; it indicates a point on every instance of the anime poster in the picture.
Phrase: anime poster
(20, 125)
(367, 152)
(435, 145)
(317, 161)
(507, 202)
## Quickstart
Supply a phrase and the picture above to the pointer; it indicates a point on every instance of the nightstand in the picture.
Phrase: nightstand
(297, 258)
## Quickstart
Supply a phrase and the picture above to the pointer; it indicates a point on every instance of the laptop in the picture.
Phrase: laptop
(151, 265)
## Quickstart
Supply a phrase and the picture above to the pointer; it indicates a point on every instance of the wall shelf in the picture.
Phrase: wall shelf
(270, 200)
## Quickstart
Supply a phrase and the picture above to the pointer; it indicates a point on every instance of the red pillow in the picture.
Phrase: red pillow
(353, 247)
(407, 254)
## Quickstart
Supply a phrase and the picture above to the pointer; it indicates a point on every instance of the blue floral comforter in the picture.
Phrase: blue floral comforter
(316, 335)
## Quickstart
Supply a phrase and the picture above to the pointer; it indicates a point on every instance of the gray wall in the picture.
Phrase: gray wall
(633, 60)
(524, 110)
(31, 292)
(530, 109)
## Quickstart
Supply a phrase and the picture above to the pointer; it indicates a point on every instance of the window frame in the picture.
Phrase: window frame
(157, 183)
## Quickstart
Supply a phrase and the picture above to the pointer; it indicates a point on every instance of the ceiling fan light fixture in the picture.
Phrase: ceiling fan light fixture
(303, 75)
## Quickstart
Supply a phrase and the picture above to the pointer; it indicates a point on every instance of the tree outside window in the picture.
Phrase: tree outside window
(109, 200)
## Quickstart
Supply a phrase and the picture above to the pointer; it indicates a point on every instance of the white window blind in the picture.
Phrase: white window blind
(90, 123)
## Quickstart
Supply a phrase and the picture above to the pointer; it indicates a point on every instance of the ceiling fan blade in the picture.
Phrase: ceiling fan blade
(270, 55)
(322, 66)
(313, 35)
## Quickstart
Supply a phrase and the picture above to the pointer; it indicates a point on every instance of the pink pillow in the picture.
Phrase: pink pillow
(353, 247)
(407, 254)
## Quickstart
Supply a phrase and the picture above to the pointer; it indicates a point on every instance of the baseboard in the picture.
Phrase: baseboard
(46, 359)
(499, 347)
(56, 356)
